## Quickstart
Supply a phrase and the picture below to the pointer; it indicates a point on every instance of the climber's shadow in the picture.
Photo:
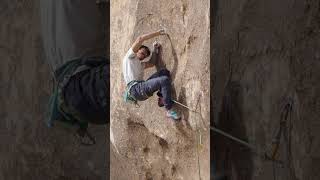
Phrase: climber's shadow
(157, 60)
(230, 158)
(173, 72)
(182, 95)
(175, 59)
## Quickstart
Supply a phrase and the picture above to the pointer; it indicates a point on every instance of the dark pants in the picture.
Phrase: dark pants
(159, 81)
(88, 92)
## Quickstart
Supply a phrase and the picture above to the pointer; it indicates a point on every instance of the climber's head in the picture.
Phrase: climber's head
(143, 52)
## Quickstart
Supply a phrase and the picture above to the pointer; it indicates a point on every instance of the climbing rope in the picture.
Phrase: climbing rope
(184, 106)
(232, 138)
(199, 142)
(282, 131)
(264, 156)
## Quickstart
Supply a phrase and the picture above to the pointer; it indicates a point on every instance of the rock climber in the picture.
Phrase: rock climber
(138, 89)
(76, 48)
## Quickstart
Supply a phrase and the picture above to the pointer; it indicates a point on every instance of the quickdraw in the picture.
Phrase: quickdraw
(283, 131)
(282, 125)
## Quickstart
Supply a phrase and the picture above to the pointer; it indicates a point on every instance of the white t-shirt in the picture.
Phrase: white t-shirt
(132, 68)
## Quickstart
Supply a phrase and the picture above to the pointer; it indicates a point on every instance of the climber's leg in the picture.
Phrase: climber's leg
(88, 93)
(162, 72)
(145, 89)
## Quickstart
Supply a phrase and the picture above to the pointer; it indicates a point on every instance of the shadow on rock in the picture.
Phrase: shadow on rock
(175, 59)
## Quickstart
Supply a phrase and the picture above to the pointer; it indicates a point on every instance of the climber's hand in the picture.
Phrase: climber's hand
(156, 44)
(162, 31)
(156, 47)
(138, 42)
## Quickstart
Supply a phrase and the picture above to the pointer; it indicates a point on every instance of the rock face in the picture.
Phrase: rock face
(145, 144)
(266, 56)
(29, 150)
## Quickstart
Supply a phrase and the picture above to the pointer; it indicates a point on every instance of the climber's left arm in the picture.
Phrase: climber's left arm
(138, 42)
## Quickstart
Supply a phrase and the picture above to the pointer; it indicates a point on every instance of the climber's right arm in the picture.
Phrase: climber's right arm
(138, 42)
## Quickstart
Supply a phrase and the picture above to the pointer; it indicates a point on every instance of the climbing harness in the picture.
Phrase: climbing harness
(127, 97)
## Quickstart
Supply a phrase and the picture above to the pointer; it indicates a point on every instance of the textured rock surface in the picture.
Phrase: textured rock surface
(145, 144)
(29, 150)
(265, 54)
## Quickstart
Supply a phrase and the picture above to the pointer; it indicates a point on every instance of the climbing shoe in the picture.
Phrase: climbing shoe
(173, 115)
